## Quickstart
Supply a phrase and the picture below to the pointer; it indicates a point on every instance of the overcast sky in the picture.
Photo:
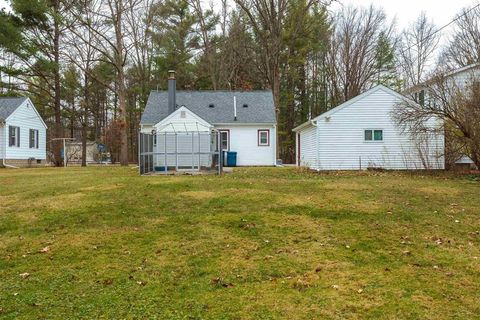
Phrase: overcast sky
(405, 11)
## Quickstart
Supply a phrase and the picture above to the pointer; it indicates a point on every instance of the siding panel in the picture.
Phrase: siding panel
(308, 148)
(244, 140)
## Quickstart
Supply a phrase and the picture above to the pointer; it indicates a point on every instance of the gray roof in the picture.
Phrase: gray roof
(260, 106)
(9, 105)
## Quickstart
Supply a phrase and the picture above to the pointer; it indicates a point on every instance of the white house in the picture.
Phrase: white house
(459, 79)
(22, 134)
(361, 134)
(246, 121)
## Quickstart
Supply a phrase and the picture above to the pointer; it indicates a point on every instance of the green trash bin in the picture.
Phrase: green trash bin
(231, 159)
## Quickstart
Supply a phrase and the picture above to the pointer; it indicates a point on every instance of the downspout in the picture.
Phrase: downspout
(317, 157)
(4, 160)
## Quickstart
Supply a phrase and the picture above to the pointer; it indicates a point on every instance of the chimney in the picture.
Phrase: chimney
(172, 91)
(235, 108)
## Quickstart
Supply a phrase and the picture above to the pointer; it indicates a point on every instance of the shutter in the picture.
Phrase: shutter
(18, 137)
(36, 139)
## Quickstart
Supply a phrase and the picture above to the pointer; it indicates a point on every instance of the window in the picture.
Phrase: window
(225, 140)
(373, 135)
(263, 138)
(13, 136)
(33, 138)
(183, 114)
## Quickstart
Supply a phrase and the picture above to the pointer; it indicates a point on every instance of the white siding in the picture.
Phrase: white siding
(341, 143)
(175, 123)
(26, 118)
(308, 148)
(244, 140)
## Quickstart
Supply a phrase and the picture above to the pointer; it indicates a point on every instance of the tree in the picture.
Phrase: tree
(464, 47)
(33, 37)
(416, 52)
(107, 35)
(456, 106)
(353, 56)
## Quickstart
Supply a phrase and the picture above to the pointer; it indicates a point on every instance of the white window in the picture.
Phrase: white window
(183, 114)
(374, 135)
(225, 140)
(33, 139)
(264, 138)
(13, 136)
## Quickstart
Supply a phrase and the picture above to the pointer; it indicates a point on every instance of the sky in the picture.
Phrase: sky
(404, 11)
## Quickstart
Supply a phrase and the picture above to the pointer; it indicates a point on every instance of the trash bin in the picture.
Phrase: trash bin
(231, 159)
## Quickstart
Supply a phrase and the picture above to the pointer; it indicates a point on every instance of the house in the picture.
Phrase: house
(22, 134)
(361, 134)
(244, 121)
(449, 82)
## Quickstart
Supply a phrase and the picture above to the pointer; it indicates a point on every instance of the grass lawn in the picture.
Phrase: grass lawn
(256, 244)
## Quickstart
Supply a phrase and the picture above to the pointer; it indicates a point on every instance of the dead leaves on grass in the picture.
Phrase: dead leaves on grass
(220, 282)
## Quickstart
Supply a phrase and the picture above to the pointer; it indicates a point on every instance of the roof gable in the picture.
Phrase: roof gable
(192, 122)
(30, 104)
(354, 100)
(260, 107)
(9, 105)
(360, 97)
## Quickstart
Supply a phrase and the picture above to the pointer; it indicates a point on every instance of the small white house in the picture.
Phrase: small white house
(245, 121)
(22, 134)
(361, 134)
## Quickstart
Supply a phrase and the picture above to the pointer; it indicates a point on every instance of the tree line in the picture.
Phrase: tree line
(89, 65)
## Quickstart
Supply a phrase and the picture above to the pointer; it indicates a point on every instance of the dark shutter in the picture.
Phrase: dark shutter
(11, 136)
(18, 136)
(31, 142)
(36, 139)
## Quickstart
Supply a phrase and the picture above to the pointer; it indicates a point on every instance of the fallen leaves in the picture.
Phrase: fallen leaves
(222, 283)
(24, 275)
(45, 250)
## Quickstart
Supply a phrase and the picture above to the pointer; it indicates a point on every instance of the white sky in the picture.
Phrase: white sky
(406, 11)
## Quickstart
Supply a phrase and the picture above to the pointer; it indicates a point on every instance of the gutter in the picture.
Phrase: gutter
(4, 160)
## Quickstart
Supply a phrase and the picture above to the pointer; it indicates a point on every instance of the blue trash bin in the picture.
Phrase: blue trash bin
(231, 159)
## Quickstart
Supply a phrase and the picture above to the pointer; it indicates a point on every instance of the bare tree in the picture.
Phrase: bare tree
(110, 38)
(455, 105)
(417, 50)
(352, 58)
(464, 48)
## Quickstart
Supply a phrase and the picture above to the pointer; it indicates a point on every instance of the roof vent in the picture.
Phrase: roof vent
(245, 105)
(211, 105)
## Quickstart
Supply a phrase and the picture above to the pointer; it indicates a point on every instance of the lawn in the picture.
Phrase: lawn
(255, 244)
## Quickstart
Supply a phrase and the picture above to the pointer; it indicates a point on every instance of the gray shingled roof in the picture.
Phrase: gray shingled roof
(9, 105)
(260, 106)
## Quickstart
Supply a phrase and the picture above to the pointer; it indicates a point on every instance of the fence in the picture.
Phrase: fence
(170, 152)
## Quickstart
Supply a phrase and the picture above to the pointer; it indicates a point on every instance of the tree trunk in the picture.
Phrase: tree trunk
(57, 144)
(122, 98)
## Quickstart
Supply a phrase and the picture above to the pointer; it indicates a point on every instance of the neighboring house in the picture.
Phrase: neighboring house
(22, 134)
(361, 134)
(456, 79)
(246, 121)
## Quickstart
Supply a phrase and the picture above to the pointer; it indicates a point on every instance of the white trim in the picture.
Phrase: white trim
(304, 125)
